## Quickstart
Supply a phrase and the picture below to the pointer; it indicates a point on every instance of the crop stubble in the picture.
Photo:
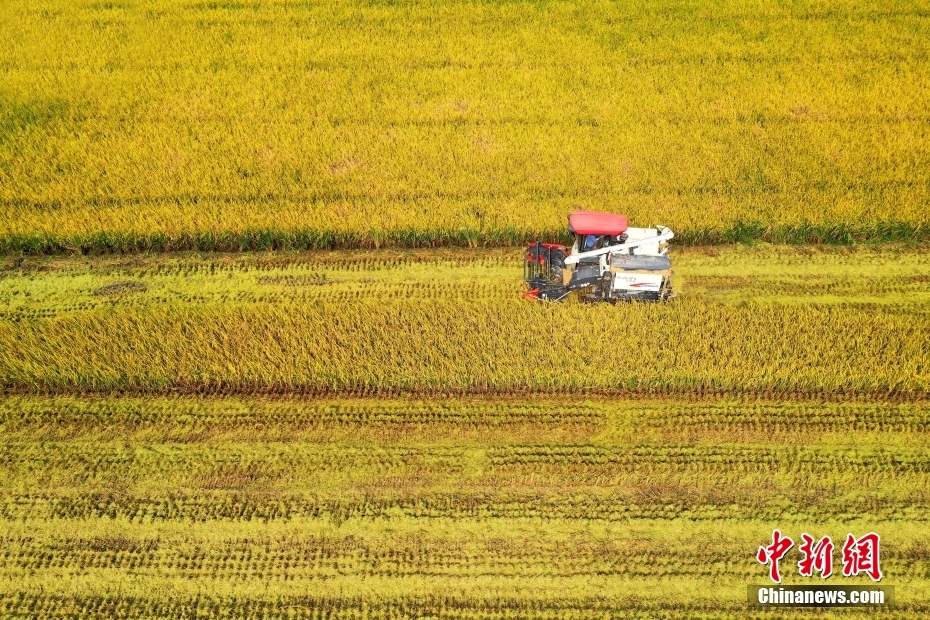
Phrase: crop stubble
(476, 507)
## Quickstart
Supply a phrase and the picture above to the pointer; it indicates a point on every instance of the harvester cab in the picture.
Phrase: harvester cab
(608, 261)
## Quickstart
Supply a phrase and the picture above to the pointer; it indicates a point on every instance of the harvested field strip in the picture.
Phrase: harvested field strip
(33, 288)
(285, 505)
(487, 420)
(647, 498)
(632, 460)
(284, 483)
(163, 468)
(27, 605)
(320, 557)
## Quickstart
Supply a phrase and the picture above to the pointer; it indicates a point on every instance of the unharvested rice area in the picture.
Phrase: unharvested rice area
(177, 124)
(794, 321)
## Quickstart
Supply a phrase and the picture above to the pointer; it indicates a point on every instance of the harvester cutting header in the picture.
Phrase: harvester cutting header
(608, 261)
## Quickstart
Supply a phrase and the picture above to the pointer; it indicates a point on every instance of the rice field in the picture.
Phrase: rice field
(175, 124)
(396, 433)
(168, 506)
(786, 321)
(365, 419)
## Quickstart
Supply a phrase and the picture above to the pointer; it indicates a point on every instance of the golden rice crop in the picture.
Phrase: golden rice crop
(750, 319)
(176, 124)
(458, 345)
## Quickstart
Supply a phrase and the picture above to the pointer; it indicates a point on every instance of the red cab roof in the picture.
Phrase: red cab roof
(594, 223)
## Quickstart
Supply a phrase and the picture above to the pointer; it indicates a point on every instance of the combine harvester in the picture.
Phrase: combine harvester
(608, 262)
